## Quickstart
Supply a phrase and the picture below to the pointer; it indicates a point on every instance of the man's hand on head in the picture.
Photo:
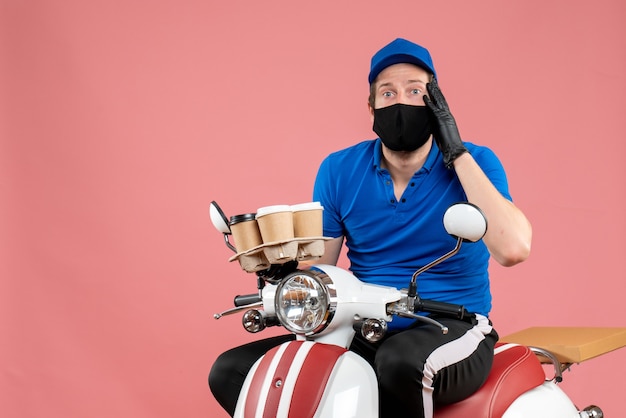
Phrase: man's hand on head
(446, 132)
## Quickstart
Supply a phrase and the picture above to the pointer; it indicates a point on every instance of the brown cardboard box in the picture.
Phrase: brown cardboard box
(571, 344)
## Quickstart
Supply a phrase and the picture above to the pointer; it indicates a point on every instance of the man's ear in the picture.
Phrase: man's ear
(371, 110)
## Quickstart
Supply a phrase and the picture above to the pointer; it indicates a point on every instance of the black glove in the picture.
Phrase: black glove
(277, 271)
(446, 132)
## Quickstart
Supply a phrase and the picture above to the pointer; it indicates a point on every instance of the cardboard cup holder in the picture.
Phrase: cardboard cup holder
(281, 233)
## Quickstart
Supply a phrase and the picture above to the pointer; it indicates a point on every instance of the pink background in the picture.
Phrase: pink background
(121, 120)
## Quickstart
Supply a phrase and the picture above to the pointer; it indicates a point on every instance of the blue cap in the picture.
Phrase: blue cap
(400, 51)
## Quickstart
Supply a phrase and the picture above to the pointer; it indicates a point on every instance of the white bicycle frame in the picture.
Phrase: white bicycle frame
(318, 377)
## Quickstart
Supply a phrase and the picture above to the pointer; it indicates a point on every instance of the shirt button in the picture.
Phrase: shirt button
(403, 200)
(392, 201)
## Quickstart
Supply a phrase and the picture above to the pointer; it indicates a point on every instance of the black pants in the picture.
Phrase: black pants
(417, 368)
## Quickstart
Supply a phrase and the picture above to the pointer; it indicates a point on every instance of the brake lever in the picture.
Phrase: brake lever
(400, 311)
(237, 309)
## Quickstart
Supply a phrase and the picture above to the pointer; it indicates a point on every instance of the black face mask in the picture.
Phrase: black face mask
(403, 127)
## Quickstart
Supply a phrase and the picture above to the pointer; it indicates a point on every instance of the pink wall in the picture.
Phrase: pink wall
(121, 120)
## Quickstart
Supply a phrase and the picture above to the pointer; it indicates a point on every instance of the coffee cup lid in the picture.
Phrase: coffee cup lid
(306, 206)
(235, 219)
(266, 210)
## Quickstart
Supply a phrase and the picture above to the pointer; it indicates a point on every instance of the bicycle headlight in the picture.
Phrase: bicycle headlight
(304, 302)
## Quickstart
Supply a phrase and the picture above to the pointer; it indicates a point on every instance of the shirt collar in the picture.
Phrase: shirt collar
(428, 164)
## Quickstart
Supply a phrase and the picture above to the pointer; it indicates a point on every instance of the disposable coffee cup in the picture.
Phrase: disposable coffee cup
(275, 223)
(245, 231)
(307, 220)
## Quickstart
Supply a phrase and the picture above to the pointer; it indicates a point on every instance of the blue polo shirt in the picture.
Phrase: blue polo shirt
(388, 240)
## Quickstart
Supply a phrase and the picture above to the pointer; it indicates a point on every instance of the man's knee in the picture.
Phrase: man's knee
(218, 374)
(225, 381)
(395, 367)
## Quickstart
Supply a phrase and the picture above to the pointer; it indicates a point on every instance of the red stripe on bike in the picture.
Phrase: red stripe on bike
(256, 385)
(311, 381)
(278, 380)
(254, 391)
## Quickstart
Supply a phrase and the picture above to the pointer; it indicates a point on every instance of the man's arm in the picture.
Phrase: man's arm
(332, 250)
(509, 232)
